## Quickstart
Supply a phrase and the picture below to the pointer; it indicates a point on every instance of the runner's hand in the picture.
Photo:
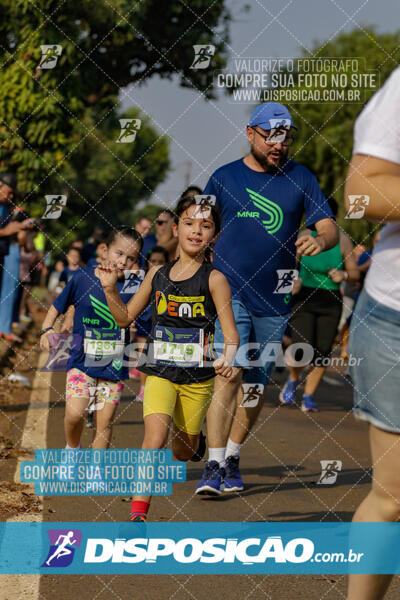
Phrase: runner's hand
(222, 367)
(297, 286)
(108, 274)
(307, 245)
(336, 275)
(44, 341)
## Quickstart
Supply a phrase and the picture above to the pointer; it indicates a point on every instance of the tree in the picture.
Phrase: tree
(54, 119)
(324, 141)
(105, 180)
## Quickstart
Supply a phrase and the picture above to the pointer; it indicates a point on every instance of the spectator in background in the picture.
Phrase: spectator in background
(40, 273)
(143, 226)
(101, 249)
(54, 279)
(74, 260)
(164, 233)
(9, 290)
(27, 274)
(8, 183)
(89, 249)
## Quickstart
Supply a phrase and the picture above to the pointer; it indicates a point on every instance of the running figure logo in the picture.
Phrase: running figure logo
(54, 206)
(63, 543)
(286, 279)
(279, 129)
(61, 345)
(329, 471)
(129, 129)
(50, 55)
(252, 394)
(203, 206)
(97, 397)
(133, 279)
(202, 56)
(358, 204)
(273, 212)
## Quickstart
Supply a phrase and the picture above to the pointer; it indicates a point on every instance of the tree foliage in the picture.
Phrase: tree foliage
(59, 126)
(324, 141)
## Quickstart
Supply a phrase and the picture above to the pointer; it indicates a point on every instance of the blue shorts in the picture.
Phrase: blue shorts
(255, 333)
(374, 350)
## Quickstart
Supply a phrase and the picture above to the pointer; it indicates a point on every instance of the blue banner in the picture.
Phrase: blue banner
(78, 472)
(199, 548)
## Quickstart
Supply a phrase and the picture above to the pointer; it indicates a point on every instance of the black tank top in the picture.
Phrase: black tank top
(180, 344)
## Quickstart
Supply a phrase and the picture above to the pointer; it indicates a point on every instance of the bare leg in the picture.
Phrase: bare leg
(314, 379)
(222, 408)
(184, 445)
(294, 372)
(74, 420)
(156, 428)
(381, 505)
(103, 422)
(244, 419)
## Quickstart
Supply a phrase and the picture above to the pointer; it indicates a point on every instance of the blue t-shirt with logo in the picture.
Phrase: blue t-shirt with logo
(101, 351)
(261, 215)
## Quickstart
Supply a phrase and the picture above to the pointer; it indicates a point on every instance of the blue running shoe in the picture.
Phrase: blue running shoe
(212, 481)
(308, 404)
(288, 394)
(233, 480)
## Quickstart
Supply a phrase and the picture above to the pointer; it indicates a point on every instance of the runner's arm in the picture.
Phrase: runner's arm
(49, 321)
(221, 294)
(379, 179)
(349, 260)
(124, 314)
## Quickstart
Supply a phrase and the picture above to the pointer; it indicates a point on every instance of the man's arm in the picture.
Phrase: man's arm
(327, 233)
(380, 180)
(327, 237)
(15, 227)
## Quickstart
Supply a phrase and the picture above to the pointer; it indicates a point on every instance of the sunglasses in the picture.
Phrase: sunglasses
(160, 222)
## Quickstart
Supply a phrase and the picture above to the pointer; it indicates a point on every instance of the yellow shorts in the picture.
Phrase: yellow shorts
(187, 404)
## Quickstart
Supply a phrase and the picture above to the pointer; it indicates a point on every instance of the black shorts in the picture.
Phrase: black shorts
(315, 318)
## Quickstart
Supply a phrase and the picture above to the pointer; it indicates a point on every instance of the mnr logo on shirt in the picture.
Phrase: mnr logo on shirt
(272, 212)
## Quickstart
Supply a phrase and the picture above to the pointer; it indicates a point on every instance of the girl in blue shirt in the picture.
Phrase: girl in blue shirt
(96, 366)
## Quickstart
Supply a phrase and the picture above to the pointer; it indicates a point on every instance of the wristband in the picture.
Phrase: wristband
(45, 330)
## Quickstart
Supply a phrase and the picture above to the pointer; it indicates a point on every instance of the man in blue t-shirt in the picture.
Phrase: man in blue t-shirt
(262, 199)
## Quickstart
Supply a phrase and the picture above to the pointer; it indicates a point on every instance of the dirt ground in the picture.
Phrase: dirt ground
(280, 465)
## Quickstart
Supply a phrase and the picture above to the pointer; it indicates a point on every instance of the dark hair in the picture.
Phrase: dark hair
(160, 250)
(128, 232)
(76, 250)
(100, 239)
(192, 190)
(185, 203)
(333, 205)
(165, 210)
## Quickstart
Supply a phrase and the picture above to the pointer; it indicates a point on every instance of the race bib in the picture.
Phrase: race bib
(101, 343)
(178, 347)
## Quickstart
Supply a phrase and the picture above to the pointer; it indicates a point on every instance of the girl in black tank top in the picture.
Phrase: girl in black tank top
(186, 297)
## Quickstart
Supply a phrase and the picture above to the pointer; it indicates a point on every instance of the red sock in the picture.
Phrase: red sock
(139, 507)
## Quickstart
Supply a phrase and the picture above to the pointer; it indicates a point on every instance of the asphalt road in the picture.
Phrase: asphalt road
(280, 465)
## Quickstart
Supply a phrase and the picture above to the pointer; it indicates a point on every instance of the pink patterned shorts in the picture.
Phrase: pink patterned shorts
(80, 385)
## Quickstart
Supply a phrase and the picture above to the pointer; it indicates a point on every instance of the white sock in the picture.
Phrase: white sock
(67, 447)
(232, 449)
(217, 454)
